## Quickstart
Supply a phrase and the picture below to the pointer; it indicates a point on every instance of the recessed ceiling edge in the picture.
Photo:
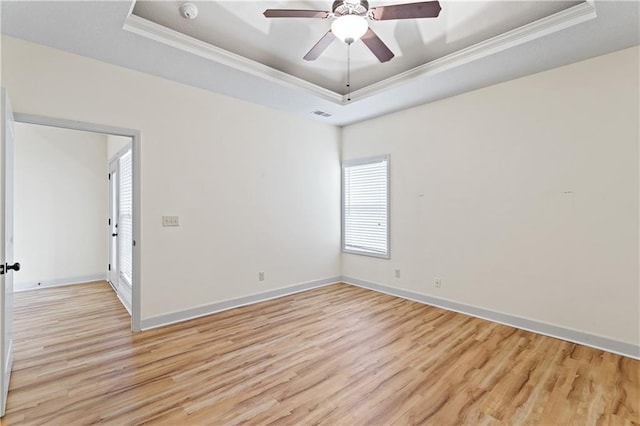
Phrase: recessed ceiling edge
(159, 33)
(553, 23)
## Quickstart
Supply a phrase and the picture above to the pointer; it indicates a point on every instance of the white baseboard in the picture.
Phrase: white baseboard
(200, 311)
(599, 342)
(31, 285)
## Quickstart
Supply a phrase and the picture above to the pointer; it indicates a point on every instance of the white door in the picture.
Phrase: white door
(113, 224)
(120, 226)
(7, 267)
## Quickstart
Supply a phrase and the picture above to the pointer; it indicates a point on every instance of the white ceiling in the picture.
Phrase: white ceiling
(242, 54)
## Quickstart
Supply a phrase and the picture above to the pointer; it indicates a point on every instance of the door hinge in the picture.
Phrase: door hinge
(109, 266)
(109, 221)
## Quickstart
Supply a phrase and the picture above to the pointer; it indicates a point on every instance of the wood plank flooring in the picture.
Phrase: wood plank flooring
(338, 355)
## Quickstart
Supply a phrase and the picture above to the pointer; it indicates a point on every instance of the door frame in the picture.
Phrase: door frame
(6, 247)
(136, 323)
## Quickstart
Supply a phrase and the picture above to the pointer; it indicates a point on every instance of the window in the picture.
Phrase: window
(125, 219)
(365, 206)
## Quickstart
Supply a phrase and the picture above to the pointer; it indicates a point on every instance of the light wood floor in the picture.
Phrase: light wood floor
(335, 355)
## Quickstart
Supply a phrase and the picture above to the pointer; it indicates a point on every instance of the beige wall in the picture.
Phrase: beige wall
(255, 189)
(115, 144)
(60, 205)
(521, 197)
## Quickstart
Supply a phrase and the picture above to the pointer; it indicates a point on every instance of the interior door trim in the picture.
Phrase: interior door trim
(135, 151)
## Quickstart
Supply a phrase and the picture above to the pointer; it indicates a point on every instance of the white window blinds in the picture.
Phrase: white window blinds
(125, 219)
(365, 212)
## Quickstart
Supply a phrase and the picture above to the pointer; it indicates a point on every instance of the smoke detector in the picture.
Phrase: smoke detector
(189, 10)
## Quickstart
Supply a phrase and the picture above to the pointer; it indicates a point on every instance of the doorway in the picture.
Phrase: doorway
(127, 288)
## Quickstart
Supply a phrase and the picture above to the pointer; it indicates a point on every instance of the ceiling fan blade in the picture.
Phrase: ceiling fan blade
(377, 46)
(425, 9)
(293, 13)
(320, 46)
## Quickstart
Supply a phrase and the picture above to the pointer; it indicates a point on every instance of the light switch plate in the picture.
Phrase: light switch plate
(170, 221)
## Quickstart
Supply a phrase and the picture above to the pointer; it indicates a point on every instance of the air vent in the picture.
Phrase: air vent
(321, 113)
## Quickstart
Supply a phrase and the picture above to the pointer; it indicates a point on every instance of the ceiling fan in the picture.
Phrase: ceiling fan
(350, 22)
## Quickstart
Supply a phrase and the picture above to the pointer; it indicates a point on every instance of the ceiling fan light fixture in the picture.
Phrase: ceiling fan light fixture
(349, 28)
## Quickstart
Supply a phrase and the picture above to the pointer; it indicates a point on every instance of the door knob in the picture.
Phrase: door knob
(114, 235)
(15, 266)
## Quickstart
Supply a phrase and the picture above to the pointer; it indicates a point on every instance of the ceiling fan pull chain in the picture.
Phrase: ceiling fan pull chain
(348, 72)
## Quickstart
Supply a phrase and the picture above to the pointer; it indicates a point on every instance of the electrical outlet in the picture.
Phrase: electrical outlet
(437, 283)
(397, 272)
(261, 276)
(170, 221)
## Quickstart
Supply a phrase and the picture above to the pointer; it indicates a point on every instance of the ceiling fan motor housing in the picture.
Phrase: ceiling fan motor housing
(342, 7)
(351, 22)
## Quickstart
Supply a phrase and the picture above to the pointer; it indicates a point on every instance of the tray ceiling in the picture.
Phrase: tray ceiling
(239, 27)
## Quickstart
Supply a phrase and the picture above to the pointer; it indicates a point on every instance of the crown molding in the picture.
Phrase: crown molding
(553, 23)
(162, 34)
(557, 22)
